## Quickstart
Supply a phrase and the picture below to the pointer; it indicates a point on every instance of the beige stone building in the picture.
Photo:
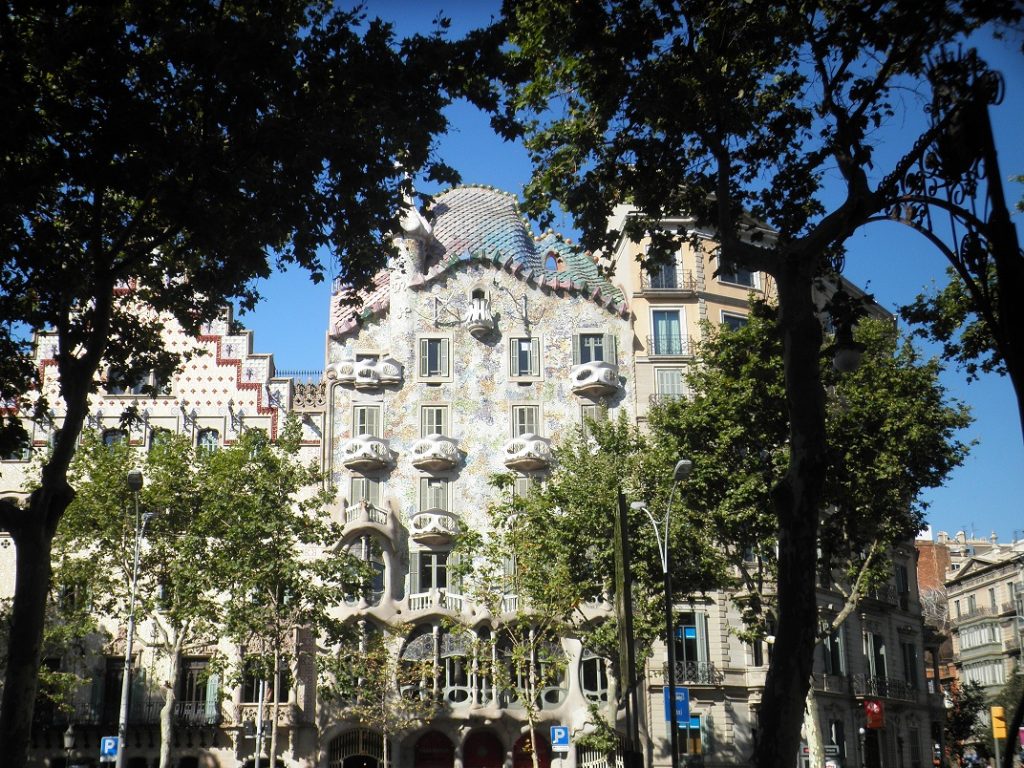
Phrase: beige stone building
(986, 611)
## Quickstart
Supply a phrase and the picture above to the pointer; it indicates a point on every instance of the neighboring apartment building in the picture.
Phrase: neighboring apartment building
(879, 652)
(986, 612)
(219, 392)
(479, 348)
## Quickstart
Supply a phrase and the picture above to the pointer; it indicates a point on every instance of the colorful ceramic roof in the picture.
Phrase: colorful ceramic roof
(483, 224)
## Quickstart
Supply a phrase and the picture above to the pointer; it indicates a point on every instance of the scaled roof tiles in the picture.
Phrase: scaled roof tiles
(485, 225)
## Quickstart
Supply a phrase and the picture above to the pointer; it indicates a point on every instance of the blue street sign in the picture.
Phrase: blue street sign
(108, 747)
(682, 706)
(559, 737)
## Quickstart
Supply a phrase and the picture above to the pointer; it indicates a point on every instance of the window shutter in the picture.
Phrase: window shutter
(138, 693)
(372, 491)
(444, 355)
(513, 358)
(534, 357)
(424, 357)
(414, 573)
(443, 419)
(212, 697)
(575, 349)
(702, 637)
(611, 352)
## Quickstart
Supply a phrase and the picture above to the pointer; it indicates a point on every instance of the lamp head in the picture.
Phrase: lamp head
(69, 738)
(135, 480)
(682, 470)
(637, 505)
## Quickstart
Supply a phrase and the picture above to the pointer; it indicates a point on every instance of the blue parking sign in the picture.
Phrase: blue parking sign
(108, 748)
(682, 706)
(559, 737)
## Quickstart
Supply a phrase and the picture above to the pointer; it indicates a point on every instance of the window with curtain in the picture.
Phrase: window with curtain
(668, 331)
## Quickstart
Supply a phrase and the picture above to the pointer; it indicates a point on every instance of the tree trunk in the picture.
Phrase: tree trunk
(797, 500)
(274, 707)
(812, 730)
(32, 530)
(167, 711)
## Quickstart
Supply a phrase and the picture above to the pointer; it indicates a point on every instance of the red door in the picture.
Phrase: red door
(434, 750)
(482, 750)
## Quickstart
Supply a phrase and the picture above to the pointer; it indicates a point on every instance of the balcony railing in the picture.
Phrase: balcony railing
(435, 599)
(365, 512)
(668, 280)
(668, 346)
(885, 593)
(527, 453)
(883, 687)
(695, 673)
(144, 711)
(435, 452)
(366, 452)
(197, 714)
(433, 526)
(974, 613)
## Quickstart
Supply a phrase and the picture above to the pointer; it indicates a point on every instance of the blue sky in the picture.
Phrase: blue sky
(985, 495)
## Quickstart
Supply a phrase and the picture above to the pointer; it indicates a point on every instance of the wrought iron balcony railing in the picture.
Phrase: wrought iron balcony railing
(668, 280)
(695, 673)
(883, 687)
(668, 345)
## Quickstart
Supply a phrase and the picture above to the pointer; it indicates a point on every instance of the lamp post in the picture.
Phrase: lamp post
(680, 472)
(135, 481)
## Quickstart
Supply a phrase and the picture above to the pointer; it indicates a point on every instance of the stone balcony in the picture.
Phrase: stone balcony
(527, 453)
(595, 378)
(480, 318)
(366, 374)
(366, 453)
(436, 600)
(435, 452)
(433, 526)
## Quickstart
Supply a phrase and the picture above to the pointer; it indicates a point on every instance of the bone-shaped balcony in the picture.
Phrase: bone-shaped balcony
(435, 452)
(480, 318)
(527, 453)
(433, 526)
(366, 452)
(595, 378)
(366, 374)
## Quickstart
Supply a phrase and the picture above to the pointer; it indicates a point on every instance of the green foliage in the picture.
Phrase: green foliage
(963, 726)
(948, 318)
(890, 425)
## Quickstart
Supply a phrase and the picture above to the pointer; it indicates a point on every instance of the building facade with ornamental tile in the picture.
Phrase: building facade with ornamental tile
(480, 347)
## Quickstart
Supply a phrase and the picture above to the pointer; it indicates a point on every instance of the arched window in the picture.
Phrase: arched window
(417, 668)
(158, 436)
(553, 263)
(208, 440)
(593, 676)
(533, 661)
(456, 652)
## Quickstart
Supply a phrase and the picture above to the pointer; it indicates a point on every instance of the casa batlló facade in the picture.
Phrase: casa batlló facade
(479, 348)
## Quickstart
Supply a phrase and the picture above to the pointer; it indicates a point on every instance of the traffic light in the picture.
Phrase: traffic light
(998, 723)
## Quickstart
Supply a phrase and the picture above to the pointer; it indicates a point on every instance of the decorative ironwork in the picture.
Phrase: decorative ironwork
(696, 673)
(309, 395)
(883, 687)
(669, 280)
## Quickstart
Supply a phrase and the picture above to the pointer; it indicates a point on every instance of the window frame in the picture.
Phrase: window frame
(370, 493)
(607, 344)
(445, 424)
(359, 423)
(435, 489)
(672, 346)
(423, 370)
(722, 276)
(535, 366)
(208, 447)
(680, 372)
(515, 409)
(727, 319)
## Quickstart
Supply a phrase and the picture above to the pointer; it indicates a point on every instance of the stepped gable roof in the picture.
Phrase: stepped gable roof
(475, 223)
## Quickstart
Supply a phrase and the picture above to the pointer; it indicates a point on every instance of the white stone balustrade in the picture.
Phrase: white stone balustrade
(435, 452)
(433, 526)
(366, 452)
(595, 378)
(365, 512)
(527, 453)
(435, 599)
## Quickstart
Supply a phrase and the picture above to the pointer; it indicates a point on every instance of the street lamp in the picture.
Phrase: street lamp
(135, 481)
(680, 472)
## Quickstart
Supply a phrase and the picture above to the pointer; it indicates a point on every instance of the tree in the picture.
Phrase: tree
(159, 159)
(966, 702)
(368, 682)
(735, 429)
(281, 569)
(202, 504)
(735, 116)
(95, 543)
(521, 570)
